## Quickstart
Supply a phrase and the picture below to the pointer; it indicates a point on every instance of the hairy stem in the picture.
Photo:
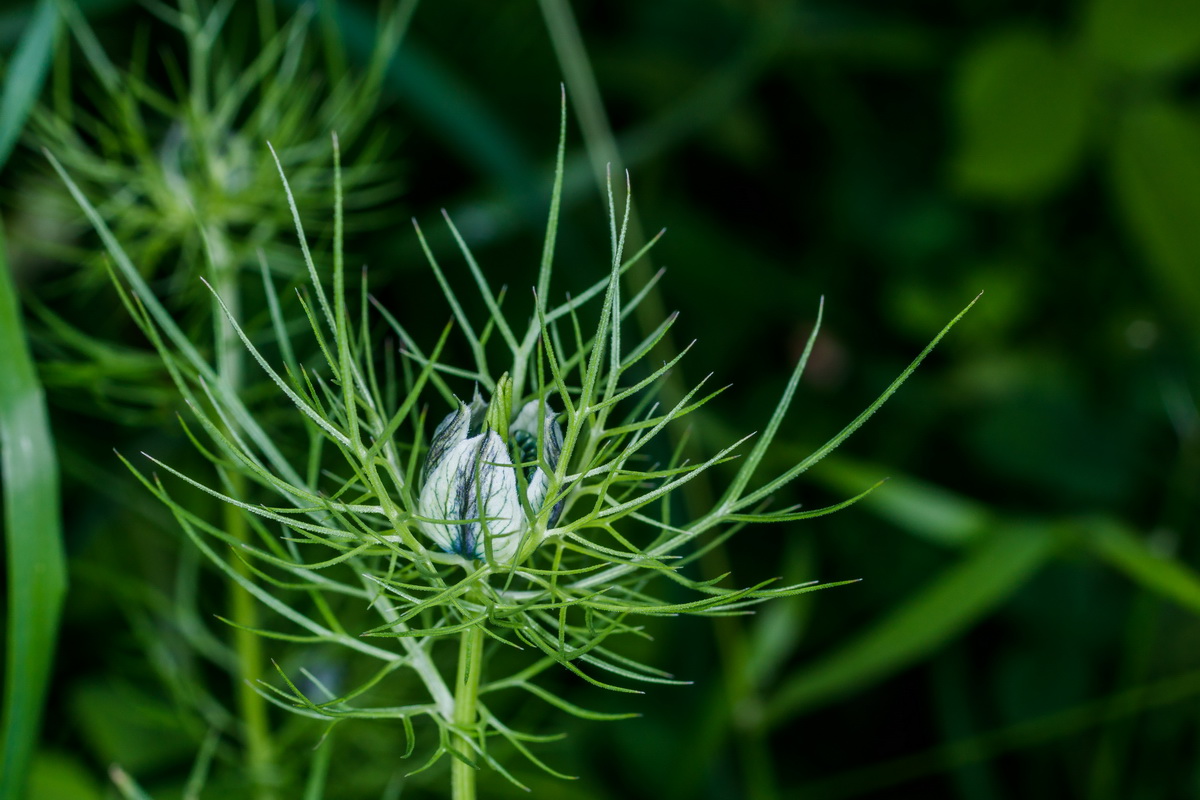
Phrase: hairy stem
(466, 698)
(417, 653)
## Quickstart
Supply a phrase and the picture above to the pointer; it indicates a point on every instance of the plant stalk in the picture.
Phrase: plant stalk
(251, 706)
(466, 699)
(243, 608)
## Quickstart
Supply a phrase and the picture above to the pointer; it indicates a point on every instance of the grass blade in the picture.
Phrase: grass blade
(25, 74)
(33, 538)
(925, 510)
(964, 593)
(1160, 574)
(882, 778)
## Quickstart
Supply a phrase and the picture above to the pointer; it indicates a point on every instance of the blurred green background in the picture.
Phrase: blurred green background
(1026, 624)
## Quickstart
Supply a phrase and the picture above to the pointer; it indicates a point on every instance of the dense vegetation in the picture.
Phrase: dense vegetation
(1025, 619)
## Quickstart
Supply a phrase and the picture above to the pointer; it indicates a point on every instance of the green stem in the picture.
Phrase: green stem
(466, 699)
(251, 706)
(243, 608)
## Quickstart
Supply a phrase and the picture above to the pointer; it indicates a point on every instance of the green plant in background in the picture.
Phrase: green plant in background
(182, 185)
(515, 528)
(187, 202)
(1032, 107)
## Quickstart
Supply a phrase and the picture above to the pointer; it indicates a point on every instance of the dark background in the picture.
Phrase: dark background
(1026, 621)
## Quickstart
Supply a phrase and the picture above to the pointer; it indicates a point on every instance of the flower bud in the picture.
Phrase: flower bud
(524, 432)
(471, 495)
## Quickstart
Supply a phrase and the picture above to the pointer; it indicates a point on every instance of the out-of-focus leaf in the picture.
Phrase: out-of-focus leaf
(25, 73)
(1156, 174)
(125, 726)
(450, 106)
(14, 21)
(1144, 34)
(1069, 722)
(779, 626)
(923, 509)
(1060, 451)
(126, 785)
(1022, 106)
(55, 776)
(33, 541)
(1156, 572)
(963, 594)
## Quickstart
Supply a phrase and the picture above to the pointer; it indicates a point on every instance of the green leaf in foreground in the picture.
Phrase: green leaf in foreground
(33, 538)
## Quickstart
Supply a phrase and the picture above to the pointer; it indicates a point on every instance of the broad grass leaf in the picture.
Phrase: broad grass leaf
(948, 605)
(55, 776)
(32, 540)
(1156, 572)
(925, 510)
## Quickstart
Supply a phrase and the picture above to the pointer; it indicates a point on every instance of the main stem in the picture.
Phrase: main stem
(247, 645)
(242, 606)
(466, 699)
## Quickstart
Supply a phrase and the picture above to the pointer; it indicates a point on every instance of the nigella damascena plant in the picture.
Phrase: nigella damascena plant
(532, 529)
(485, 482)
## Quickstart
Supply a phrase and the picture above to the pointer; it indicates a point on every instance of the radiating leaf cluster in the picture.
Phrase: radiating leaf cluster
(178, 173)
(333, 504)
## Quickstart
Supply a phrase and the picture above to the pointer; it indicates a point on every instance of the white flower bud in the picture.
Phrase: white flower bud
(471, 498)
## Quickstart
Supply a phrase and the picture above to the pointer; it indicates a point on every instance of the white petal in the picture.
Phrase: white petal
(475, 482)
(446, 495)
(527, 418)
(535, 493)
(499, 505)
(449, 432)
(539, 484)
(552, 440)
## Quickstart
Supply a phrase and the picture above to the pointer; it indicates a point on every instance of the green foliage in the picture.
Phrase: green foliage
(1155, 165)
(896, 160)
(25, 74)
(1145, 35)
(957, 599)
(576, 581)
(1023, 106)
(183, 187)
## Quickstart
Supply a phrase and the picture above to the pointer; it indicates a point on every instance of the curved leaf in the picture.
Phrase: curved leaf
(963, 594)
